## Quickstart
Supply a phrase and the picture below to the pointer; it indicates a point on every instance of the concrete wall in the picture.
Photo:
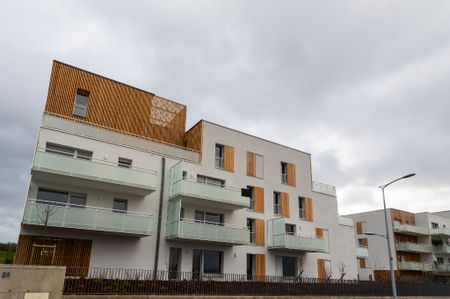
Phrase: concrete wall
(31, 282)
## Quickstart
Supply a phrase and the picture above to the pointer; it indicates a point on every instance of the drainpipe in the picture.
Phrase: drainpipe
(158, 233)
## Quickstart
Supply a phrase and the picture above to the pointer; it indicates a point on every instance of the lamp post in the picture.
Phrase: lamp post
(391, 266)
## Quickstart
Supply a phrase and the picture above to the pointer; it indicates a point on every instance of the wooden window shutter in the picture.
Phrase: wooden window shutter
(362, 263)
(319, 232)
(260, 267)
(259, 232)
(291, 179)
(321, 272)
(284, 204)
(359, 229)
(228, 158)
(258, 194)
(251, 164)
(309, 209)
(365, 242)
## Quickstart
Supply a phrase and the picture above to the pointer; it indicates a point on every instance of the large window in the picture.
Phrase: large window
(251, 266)
(120, 205)
(251, 228)
(81, 103)
(61, 198)
(210, 181)
(284, 172)
(174, 262)
(289, 266)
(68, 151)
(301, 208)
(208, 218)
(207, 261)
(219, 155)
(252, 197)
(276, 203)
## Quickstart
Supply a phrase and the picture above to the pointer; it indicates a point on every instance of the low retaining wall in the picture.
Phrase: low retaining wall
(31, 282)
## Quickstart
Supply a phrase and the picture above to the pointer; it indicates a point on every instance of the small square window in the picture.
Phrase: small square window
(120, 205)
(125, 163)
(290, 229)
(81, 102)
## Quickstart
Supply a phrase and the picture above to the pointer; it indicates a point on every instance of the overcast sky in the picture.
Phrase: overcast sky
(363, 86)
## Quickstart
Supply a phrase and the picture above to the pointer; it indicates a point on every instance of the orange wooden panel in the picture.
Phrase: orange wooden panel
(251, 164)
(365, 242)
(321, 271)
(319, 232)
(260, 267)
(291, 179)
(309, 209)
(228, 158)
(362, 263)
(284, 204)
(359, 228)
(259, 232)
(258, 193)
(194, 137)
(403, 216)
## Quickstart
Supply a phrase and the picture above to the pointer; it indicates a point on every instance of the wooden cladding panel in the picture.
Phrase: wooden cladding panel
(403, 217)
(260, 267)
(319, 232)
(359, 228)
(259, 232)
(362, 263)
(284, 204)
(194, 137)
(365, 242)
(406, 238)
(228, 163)
(72, 253)
(291, 178)
(309, 209)
(321, 271)
(258, 198)
(116, 105)
(251, 164)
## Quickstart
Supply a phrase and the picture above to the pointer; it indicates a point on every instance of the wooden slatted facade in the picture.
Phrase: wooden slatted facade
(258, 197)
(115, 105)
(37, 250)
(321, 271)
(291, 177)
(251, 164)
(193, 139)
(260, 267)
(309, 209)
(359, 228)
(319, 232)
(284, 204)
(228, 163)
(259, 233)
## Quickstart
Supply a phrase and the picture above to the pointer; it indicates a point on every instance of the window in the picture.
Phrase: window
(207, 261)
(174, 262)
(251, 228)
(434, 225)
(120, 205)
(284, 172)
(125, 163)
(251, 266)
(219, 162)
(182, 213)
(440, 260)
(210, 181)
(290, 229)
(81, 102)
(276, 203)
(361, 242)
(68, 151)
(208, 218)
(301, 208)
(289, 266)
(61, 198)
(252, 197)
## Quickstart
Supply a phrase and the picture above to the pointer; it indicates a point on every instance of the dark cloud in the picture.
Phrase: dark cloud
(362, 86)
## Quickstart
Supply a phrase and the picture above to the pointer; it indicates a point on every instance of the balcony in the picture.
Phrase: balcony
(93, 173)
(415, 266)
(323, 188)
(87, 218)
(193, 230)
(442, 231)
(412, 230)
(215, 196)
(442, 249)
(443, 268)
(413, 247)
(279, 239)
(362, 252)
(346, 221)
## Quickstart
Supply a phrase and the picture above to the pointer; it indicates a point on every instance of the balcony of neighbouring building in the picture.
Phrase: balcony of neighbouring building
(413, 247)
(89, 218)
(346, 221)
(362, 252)
(415, 266)
(413, 230)
(279, 239)
(195, 191)
(323, 188)
(193, 230)
(91, 173)
(443, 267)
(442, 249)
(442, 231)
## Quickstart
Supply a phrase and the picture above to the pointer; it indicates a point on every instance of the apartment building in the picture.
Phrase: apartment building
(118, 182)
(420, 243)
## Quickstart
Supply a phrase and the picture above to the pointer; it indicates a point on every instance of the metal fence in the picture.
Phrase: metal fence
(109, 281)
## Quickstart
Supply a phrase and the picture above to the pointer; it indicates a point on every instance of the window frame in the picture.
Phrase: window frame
(68, 151)
(277, 206)
(125, 162)
(201, 256)
(301, 207)
(219, 160)
(284, 173)
(118, 200)
(80, 109)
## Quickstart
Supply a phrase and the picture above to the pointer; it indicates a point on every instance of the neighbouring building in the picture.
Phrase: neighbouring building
(118, 182)
(420, 243)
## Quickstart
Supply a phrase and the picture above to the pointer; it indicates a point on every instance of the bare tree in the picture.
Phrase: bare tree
(44, 212)
(341, 267)
(300, 263)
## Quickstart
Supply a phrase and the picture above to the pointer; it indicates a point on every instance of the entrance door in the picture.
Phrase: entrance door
(289, 266)
(174, 262)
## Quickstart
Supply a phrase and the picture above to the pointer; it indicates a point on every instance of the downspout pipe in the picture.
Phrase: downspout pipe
(158, 232)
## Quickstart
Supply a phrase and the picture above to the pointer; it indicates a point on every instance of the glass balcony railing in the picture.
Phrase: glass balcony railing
(411, 229)
(87, 218)
(95, 170)
(413, 247)
(442, 231)
(323, 188)
(415, 266)
(441, 249)
(443, 267)
(345, 221)
(362, 252)
(189, 229)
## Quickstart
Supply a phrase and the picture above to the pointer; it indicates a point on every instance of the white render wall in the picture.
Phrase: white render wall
(109, 250)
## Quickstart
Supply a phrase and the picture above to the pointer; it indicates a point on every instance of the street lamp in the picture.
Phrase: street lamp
(391, 266)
